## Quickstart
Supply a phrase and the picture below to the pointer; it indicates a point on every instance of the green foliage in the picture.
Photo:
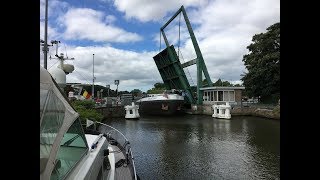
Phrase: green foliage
(219, 82)
(86, 110)
(136, 92)
(159, 86)
(157, 89)
(263, 65)
(87, 104)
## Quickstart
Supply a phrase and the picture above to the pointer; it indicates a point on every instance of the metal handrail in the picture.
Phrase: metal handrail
(126, 140)
(126, 146)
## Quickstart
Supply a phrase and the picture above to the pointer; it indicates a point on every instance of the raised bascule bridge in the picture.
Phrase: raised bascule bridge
(172, 71)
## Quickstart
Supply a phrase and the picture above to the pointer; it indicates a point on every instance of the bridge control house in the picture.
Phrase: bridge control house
(220, 95)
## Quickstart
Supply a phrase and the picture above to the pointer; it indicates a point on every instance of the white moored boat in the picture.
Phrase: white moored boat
(169, 103)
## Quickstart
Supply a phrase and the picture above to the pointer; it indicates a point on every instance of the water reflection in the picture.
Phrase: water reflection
(200, 147)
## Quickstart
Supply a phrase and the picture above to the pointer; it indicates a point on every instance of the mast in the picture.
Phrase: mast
(45, 47)
(93, 77)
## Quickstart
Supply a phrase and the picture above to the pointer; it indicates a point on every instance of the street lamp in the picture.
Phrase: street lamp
(101, 90)
(116, 82)
(108, 87)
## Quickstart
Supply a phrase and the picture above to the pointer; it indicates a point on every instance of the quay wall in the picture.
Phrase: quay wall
(247, 111)
(111, 111)
(274, 113)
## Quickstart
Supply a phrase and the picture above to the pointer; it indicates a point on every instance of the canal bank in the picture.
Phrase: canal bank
(271, 113)
(206, 109)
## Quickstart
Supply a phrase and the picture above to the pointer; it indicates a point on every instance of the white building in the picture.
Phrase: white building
(221, 95)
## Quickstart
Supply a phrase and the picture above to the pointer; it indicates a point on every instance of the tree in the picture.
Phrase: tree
(226, 84)
(136, 92)
(218, 83)
(263, 65)
(157, 89)
(159, 86)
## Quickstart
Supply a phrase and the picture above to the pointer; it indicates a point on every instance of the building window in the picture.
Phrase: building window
(231, 96)
(220, 95)
(225, 95)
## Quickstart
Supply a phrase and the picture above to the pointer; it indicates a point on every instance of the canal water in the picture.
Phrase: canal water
(201, 147)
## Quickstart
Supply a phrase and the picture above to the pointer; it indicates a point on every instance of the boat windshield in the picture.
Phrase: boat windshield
(173, 91)
(51, 119)
(62, 139)
(72, 148)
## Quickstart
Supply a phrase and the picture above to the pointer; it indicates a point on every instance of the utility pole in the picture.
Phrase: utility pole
(93, 77)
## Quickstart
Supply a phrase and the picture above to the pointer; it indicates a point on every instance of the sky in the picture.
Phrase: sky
(124, 36)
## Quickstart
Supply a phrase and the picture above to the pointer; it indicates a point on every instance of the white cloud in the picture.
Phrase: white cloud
(150, 10)
(88, 24)
(134, 70)
(110, 19)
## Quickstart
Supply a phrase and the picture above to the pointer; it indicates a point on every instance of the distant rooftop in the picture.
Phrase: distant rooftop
(78, 84)
(221, 88)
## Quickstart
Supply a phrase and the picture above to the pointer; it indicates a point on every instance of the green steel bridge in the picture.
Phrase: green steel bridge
(171, 70)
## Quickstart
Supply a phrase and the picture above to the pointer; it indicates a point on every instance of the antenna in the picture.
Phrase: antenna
(55, 42)
(67, 68)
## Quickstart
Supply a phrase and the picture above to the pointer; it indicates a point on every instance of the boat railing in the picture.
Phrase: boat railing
(115, 137)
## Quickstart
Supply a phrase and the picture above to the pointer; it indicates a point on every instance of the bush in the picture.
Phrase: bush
(87, 111)
(86, 104)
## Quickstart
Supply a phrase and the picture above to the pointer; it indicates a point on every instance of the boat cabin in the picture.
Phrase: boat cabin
(62, 140)
(64, 150)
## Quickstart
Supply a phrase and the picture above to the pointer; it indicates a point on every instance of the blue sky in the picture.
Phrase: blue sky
(124, 36)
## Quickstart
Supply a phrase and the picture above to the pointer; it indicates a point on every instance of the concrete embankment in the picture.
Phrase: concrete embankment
(272, 113)
(111, 111)
(248, 111)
